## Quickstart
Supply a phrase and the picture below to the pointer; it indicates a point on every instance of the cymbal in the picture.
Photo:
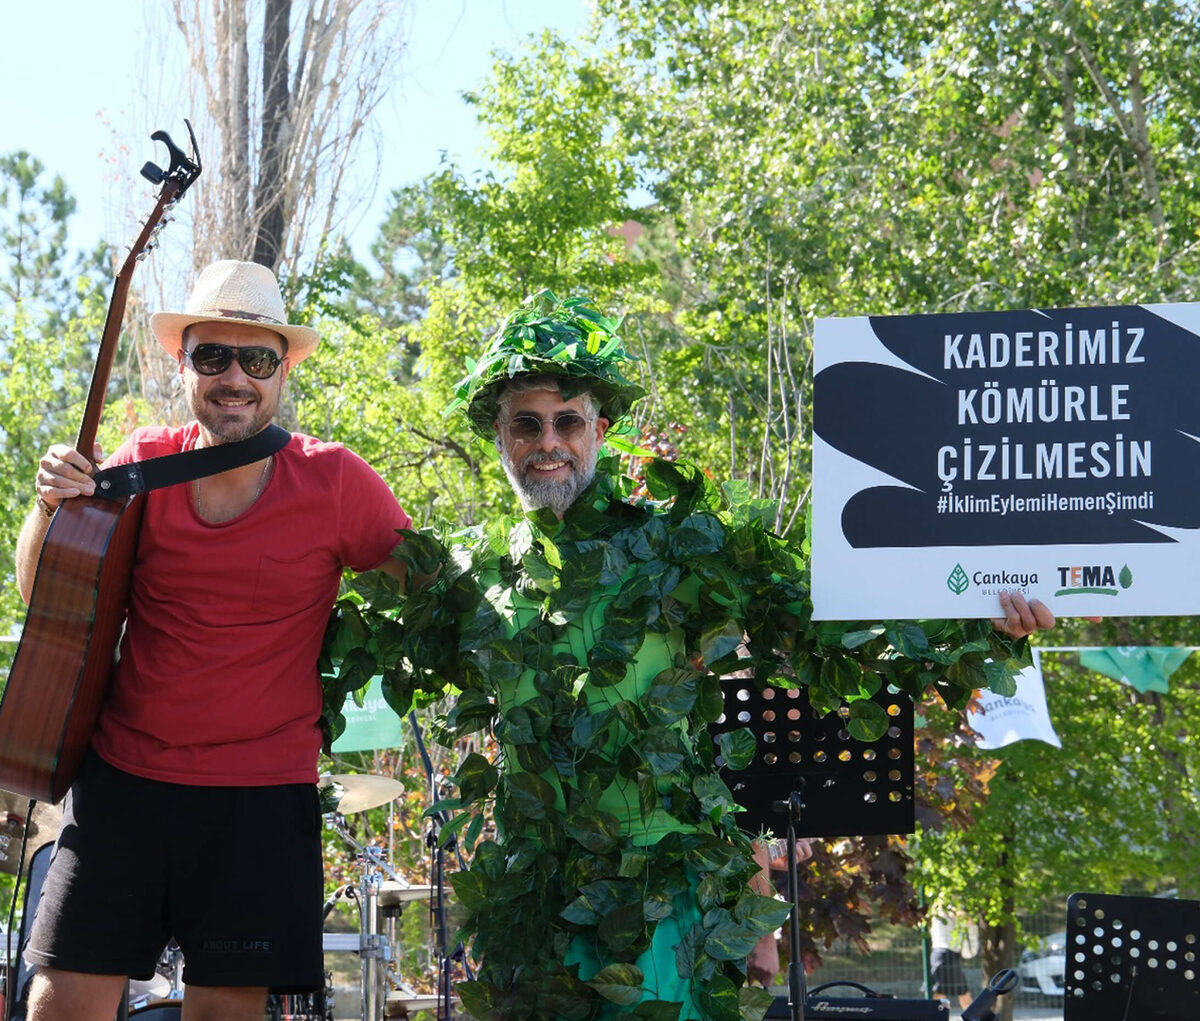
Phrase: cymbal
(398, 1004)
(361, 791)
(393, 894)
(43, 828)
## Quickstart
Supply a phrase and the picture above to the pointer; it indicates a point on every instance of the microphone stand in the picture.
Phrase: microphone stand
(980, 1008)
(797, 993)
(438, 909)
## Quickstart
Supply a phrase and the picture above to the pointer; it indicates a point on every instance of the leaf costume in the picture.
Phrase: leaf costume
(591, 647)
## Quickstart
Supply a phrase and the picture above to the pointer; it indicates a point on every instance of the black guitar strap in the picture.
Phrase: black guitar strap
(122, 480)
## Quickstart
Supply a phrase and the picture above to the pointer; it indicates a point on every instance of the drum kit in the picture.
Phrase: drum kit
(381, 895)
(43, 828)
(161, 997)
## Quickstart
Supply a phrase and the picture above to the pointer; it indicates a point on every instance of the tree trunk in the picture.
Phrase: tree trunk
(998, 943)
(269, 193)
(998, 949)
(233, 76)
(276, 189)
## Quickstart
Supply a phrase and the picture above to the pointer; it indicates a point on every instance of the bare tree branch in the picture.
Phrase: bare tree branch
(321, 68)
(1132, 125)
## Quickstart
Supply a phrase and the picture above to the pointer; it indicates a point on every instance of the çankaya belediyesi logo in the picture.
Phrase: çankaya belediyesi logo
(958, 582)
(1095, 580)
(990, 581)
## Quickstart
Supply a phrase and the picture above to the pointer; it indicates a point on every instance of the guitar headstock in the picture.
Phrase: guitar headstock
(183, 169)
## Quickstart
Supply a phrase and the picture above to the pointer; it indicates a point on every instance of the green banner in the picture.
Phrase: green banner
(1146, 668)
(369, 726)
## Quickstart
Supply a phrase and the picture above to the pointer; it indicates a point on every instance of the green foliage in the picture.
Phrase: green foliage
(33, 237)
(459, 252)
(1114, 809)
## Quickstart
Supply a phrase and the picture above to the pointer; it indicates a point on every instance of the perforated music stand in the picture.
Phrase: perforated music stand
(850, 787)
(810, 778)
(1132, 959)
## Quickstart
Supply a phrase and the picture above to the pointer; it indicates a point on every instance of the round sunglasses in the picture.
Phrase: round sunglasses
(568, 425)
(213, 359)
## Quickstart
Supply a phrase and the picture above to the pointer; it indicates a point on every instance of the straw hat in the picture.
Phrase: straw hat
(235, 292)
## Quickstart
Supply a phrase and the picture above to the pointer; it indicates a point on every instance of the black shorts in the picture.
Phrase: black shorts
(948, 975)
(234, 874)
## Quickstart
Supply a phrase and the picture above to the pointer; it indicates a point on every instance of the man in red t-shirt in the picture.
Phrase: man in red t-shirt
(195, 814)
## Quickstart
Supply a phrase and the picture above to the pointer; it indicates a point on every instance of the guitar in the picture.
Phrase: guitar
(60, 673)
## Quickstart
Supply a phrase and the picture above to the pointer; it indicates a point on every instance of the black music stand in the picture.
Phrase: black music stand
(851, 788)
(1132, 958)
(810, 778)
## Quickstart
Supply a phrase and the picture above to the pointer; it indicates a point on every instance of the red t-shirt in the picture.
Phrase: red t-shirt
(217, 679)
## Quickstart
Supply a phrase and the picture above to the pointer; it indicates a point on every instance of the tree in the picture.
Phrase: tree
(33, 235)
(1114, 810)
(547, 215)
(816, 159)
(280, 151)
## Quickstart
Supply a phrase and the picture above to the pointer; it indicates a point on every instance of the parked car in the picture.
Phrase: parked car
(1042, 970)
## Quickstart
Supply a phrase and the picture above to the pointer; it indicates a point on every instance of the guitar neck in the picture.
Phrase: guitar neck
(85, 441)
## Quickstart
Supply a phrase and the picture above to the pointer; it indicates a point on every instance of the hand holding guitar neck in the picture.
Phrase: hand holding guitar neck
(63, 472)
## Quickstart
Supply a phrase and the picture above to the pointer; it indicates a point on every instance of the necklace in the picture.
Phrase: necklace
(262, 484)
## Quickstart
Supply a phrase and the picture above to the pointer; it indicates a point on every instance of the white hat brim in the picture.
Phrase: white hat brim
(168, 330)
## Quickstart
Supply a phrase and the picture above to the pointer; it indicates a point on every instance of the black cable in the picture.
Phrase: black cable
(1129, 999)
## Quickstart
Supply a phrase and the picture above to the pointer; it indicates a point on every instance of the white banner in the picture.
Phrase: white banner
(1022, 717)
(1055, 452)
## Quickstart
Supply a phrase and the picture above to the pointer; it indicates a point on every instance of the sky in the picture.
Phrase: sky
(71, 77)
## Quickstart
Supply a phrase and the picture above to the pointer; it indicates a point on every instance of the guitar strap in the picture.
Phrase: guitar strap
(122, 480)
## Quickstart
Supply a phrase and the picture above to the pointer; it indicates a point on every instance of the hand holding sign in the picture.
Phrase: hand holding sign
(1022, 616)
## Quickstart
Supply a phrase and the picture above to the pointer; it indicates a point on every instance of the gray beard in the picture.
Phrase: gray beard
(536, 494)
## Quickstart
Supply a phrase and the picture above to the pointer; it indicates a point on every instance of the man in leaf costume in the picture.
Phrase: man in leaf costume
(589, 637)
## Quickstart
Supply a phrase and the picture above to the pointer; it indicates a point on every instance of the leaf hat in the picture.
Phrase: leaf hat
(568, 339)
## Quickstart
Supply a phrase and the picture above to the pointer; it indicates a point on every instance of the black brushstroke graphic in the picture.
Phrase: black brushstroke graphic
(896, 421)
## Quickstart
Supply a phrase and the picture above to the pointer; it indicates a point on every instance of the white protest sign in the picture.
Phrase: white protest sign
(1056, 452)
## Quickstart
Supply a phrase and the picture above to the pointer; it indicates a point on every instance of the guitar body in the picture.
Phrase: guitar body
(59, 677)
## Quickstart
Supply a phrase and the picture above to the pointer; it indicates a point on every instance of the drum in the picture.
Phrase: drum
(280, 1007)
(298, 1006)
(293, 1007)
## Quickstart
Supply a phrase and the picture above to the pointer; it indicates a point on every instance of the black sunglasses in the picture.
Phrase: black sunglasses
(568, 425)
(213, 359)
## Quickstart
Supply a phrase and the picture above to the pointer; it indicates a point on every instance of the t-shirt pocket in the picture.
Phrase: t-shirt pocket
(284, 586)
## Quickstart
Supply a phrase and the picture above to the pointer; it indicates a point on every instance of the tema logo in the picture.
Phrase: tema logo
(958, 582)
(1097, 580)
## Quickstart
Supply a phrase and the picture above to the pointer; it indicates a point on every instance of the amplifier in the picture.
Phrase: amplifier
(819, 1007)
